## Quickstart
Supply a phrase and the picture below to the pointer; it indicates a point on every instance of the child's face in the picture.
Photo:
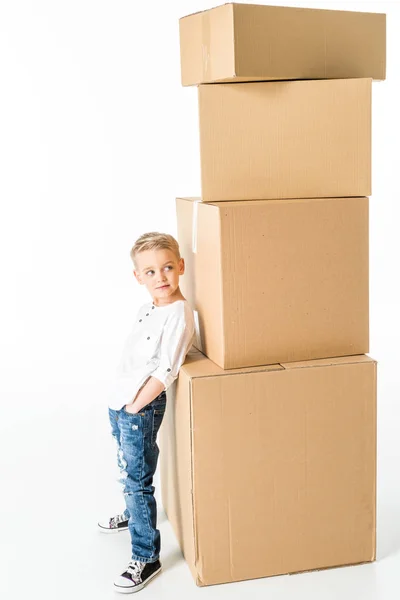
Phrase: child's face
(159, 271)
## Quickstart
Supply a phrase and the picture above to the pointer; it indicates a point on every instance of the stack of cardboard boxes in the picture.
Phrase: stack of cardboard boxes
(268, 462)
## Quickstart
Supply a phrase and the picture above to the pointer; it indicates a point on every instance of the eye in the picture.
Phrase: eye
(147, 272)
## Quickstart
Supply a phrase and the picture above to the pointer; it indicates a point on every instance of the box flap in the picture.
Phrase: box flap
(222, 204)
(327, 362)
(198, 365)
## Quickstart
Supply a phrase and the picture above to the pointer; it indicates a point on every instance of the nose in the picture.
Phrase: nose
(161, 277)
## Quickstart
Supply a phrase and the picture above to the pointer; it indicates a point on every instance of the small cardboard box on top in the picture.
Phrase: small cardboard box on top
(272, 469)
(276, 280)
(248, 42)
(290, 139)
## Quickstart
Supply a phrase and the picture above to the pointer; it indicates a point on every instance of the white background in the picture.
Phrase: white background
(97, 138)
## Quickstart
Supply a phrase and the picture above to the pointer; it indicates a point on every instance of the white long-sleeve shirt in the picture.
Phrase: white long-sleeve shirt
(157, 346)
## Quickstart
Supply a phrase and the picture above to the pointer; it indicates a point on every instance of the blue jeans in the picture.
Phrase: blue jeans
(136, 437)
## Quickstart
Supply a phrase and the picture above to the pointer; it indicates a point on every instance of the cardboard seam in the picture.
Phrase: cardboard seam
(385, 55)
(194, 225)
(350, 362)
(235, 69)
(281, 367)
(205, 45)
(254, 201)
(221, 286)
(226, 374)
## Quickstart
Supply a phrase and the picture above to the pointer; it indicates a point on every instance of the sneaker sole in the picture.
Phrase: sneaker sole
(108, 530)
(136, 588)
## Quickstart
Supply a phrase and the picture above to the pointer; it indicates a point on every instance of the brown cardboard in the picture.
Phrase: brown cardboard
(247, 42)
(271, 471)
(291, 139)
(277, 280)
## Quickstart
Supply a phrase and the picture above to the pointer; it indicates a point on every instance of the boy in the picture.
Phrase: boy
(153, 354)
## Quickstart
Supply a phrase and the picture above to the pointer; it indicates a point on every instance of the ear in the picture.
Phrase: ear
(138, 278)
(181, 266)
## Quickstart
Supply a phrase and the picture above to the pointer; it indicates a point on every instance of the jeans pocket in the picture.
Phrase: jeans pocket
(141, 413)
(158, 415)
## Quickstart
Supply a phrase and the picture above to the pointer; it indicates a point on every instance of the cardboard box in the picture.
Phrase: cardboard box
(246, 42)
(271, 470)
(276, 280)
(292, 139)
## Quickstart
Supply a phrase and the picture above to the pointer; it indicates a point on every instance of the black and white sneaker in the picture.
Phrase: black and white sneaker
(114, 524)
(136, 576)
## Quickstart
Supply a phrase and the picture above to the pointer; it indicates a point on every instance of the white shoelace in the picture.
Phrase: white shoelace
(135, 569)
(117, 519)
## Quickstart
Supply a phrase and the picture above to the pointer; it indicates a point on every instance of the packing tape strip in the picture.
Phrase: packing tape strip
(197, 342)
(205, 46)
(194, 226)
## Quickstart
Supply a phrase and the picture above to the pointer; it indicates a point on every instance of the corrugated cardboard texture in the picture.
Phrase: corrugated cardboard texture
(239, 42)
(292, 139)
(200, 231)
(292, 276)
(176, 466)
(283, 470)
(200, 32)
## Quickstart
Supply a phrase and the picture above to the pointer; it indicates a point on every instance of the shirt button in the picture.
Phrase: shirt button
(140, 320)
(153, 307)
(148, 338)
(168, 370)
(147, 314)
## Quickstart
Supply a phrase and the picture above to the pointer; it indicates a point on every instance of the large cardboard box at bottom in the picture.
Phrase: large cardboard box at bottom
(271, 470)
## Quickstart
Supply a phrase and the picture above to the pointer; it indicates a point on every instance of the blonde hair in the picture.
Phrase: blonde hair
(154, 241)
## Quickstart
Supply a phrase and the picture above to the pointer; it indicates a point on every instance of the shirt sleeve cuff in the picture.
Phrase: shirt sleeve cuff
(164, 376)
